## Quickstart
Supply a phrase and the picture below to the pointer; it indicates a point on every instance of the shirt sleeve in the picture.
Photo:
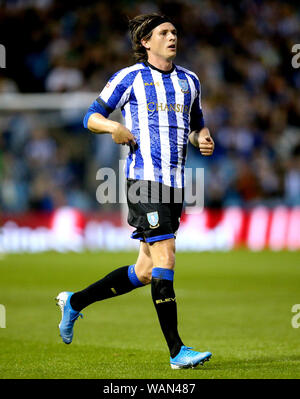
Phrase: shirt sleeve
(94, 108)
(113, 96)
(197, 119)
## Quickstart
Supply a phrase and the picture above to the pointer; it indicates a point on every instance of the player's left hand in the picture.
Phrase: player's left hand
(206, 144)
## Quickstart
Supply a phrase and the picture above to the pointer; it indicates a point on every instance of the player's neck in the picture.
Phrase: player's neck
(160, 63)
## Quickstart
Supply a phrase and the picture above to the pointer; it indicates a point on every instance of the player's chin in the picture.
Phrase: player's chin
(171, 54)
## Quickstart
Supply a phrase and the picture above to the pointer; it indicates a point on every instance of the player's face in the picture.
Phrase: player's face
(163, 41)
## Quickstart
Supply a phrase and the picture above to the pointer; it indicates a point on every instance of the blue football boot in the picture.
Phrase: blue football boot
(187, 358)
(69, 316)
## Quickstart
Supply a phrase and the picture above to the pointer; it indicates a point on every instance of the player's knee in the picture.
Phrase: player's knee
(168, 255)
(144, 274)
(167, 260)
(145, 277)
(171, 262)
(163, 254)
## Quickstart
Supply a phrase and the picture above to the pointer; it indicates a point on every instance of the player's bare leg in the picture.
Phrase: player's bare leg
(163, 253)
(144, 264)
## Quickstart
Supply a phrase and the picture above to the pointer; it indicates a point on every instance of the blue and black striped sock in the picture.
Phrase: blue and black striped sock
(118, 282)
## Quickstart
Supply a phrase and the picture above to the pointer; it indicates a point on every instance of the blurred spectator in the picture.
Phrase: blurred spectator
(292, 179)
(7, 85)
(63, 77)
(40, 149)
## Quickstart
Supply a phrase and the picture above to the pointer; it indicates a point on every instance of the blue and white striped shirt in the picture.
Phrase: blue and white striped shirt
(160, 109)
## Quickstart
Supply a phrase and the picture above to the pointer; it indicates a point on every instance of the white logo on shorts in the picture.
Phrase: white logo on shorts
(153, 219)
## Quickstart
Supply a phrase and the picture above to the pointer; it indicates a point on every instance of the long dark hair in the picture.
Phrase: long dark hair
(139, 29)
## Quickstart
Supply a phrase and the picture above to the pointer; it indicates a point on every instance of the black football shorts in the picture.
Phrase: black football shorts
(154, 209)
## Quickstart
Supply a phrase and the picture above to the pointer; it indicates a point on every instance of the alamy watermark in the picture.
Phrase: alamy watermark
(2, 316)
(296, 317)
(296, 57)
(2, 56)
(192, 195)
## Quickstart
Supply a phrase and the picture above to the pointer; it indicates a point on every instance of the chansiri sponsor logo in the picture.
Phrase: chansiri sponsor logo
(153, 106)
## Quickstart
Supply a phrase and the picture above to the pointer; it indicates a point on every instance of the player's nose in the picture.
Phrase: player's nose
(171, 36)
(172, 42)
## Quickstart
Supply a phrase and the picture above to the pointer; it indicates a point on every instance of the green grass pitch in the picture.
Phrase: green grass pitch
(235, 304)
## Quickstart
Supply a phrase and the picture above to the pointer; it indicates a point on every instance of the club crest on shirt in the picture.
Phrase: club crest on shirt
(183, 85)
(153, 219)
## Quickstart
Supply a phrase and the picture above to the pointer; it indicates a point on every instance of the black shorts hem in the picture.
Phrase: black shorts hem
(160, 238)
(137, 235)
(140, 236)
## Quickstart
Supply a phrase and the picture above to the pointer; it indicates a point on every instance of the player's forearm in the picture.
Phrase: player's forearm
(97, 123)
(194, 136)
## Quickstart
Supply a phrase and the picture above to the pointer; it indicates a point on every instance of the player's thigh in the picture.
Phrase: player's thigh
(163, 253)
(144, 264)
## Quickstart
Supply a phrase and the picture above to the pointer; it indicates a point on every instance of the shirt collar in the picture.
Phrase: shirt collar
(159, 70)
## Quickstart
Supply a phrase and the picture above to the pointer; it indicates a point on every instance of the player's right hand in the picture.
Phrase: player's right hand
(121, 135)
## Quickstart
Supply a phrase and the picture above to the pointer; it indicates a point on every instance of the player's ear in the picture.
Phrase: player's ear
(145, 44)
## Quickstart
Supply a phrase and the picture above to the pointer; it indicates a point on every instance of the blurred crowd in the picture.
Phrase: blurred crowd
(241, 51)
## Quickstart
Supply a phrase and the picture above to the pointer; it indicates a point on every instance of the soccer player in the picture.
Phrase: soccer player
(161, 106)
